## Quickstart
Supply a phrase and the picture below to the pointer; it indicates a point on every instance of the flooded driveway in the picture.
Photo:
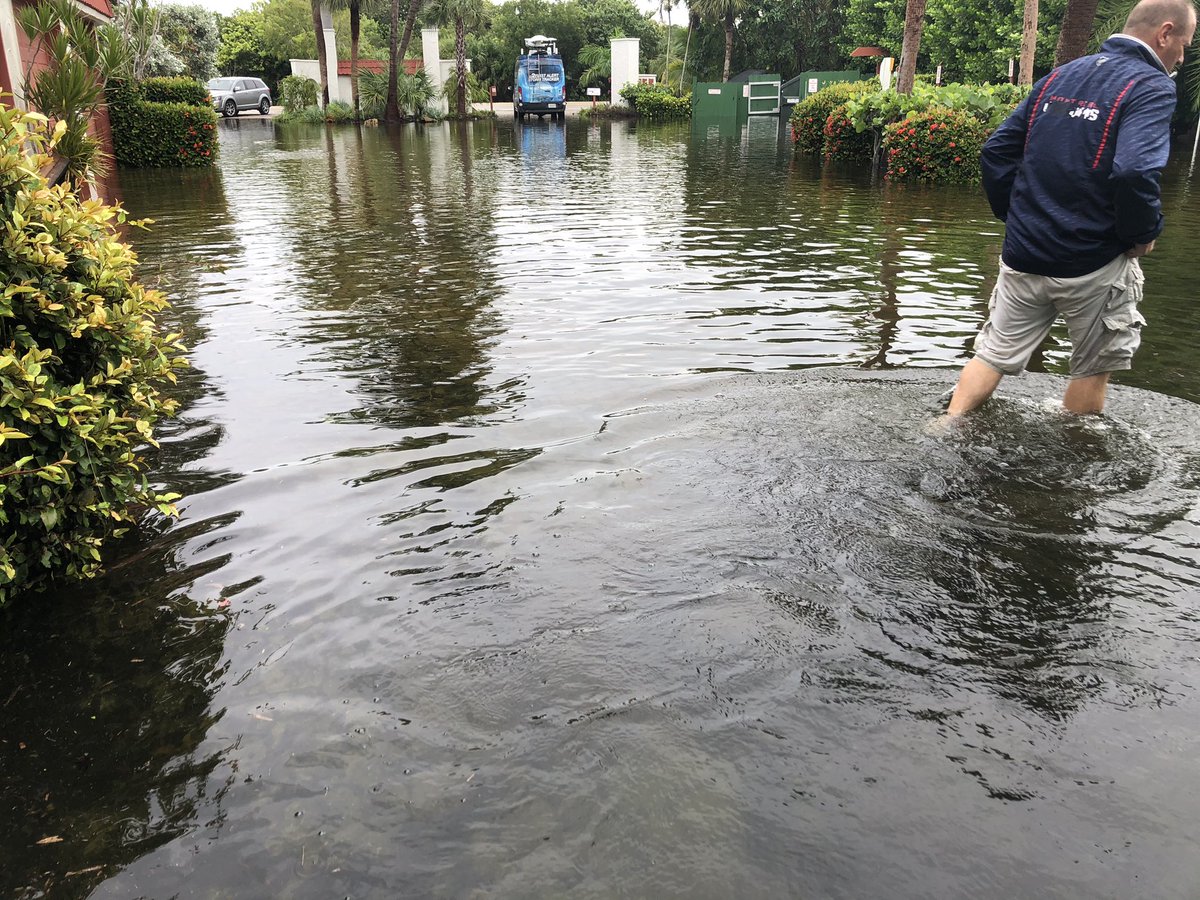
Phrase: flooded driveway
(562, 519)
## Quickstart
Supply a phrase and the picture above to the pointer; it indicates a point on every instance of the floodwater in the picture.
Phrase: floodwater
(562, 520)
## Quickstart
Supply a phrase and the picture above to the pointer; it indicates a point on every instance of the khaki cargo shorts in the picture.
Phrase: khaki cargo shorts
(1100, 310)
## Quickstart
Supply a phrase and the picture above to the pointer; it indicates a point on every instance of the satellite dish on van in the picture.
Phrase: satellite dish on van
(539, 43)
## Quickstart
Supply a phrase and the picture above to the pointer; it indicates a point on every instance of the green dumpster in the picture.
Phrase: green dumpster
(720, 100)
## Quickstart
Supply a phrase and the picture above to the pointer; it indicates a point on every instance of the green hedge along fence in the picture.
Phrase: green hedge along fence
(153, 133)
(652, 101)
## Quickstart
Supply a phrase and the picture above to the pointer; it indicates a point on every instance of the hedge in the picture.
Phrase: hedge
(81, 362)
(810, 114)
(844, 142)
(175, 90)
(148, 134)
(651, 101)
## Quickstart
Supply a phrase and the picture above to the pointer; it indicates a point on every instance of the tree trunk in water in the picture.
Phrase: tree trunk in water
(914, 21)
(460, 62)
(391, 109)
(1028, 42)
(355, 16)
(321, 60)
(1076, 30)
(728, 47)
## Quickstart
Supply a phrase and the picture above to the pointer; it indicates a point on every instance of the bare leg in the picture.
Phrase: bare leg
(976, 383)
(1086, 395)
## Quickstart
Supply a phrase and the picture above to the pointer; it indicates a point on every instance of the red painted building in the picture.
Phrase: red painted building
(18, 61)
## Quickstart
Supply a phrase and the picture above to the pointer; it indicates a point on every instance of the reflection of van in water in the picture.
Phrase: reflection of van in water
(539, 82)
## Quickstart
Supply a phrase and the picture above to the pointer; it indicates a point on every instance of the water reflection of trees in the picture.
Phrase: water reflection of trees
(397, 258)
(107, 700)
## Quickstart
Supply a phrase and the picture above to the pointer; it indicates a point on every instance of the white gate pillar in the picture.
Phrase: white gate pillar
(625, 62)
(432, 57)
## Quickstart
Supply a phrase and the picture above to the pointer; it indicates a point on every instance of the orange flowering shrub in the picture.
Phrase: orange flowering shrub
(938, 144)
(810, 114)
(843, 141)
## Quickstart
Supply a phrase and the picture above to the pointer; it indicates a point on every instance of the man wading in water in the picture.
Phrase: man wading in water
(1074, 173)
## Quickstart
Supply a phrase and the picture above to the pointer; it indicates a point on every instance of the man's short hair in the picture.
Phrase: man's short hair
(1149, 14)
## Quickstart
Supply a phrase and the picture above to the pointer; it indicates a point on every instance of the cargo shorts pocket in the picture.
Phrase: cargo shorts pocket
(1122, 321)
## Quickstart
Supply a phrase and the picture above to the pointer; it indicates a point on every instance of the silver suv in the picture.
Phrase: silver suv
(231, 95)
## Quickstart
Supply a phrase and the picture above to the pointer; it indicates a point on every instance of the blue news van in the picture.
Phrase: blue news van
(539, 82)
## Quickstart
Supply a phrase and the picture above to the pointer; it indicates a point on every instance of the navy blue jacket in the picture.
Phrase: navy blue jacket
(1074, 171)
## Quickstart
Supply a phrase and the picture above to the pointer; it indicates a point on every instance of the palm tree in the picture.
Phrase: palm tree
(397, 50)
(355, 24)
(693, 24)
(465, 14)
(666, 4)
(1028, 42)
(914, 22)
(726, 13)
(596, 62)
(319, 30)
(1076, 30)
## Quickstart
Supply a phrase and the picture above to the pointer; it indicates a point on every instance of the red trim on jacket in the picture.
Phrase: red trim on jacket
(1108, 124)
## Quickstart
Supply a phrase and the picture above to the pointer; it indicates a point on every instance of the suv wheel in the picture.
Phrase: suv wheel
(230, 108)
(264, 106)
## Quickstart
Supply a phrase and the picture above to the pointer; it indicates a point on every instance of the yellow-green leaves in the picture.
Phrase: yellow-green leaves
(80, 363)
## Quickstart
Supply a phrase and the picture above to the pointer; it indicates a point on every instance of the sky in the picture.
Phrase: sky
(225, 7)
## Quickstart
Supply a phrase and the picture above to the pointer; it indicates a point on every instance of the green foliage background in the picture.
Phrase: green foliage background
(81, 362)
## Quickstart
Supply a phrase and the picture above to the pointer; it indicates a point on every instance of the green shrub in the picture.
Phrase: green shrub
(310, 115)
(175, 90)
(148, 135)
(843, 142)
(337, 111)
(653, 101)
(810, 114)
(297, 93)
(476, 92)
(372, 93)
(936, 145)
(606, 111)
(80, 362)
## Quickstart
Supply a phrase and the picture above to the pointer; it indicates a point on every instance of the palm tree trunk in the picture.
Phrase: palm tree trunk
(414, 7)
(1028, 42)
(914, 21)
(667, 69)
(692, 23)
(460, 61)
(1076, 30)
(319, 28)
(391, 110)
(355, 16)
(728, 47)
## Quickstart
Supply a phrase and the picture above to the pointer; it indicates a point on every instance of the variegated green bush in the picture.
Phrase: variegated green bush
(81, 363)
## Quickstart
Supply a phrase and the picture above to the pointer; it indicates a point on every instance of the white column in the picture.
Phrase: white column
(432, 58)
(625, 61)
(331, 59)
(12, 52)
